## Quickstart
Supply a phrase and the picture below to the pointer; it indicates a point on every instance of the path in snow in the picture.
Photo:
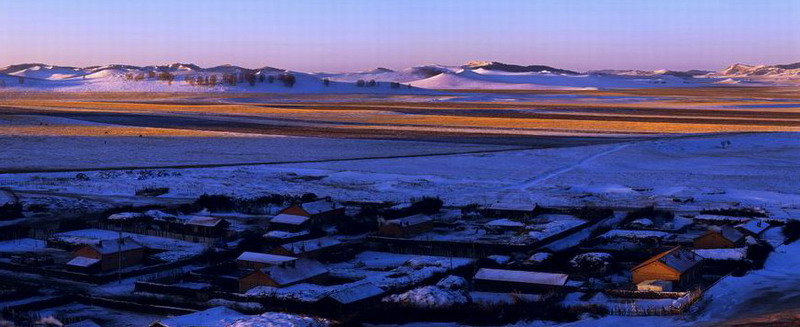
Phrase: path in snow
(524, 186)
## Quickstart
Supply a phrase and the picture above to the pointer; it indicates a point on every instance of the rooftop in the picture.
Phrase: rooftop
(265, 258)
(519, 276)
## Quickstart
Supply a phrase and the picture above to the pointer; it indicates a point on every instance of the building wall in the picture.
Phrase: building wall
(656, 271)
(244, 264)
(512, 287)
(394, 230)
(257, 278)
(112, 261)
(712, 241)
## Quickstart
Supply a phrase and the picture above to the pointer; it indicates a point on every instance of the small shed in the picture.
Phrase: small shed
(677, 265)
(720, 238)
(406, 226)
(502, 280)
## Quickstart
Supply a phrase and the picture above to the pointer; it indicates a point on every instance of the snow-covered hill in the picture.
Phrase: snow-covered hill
(480, 75)
(742, 70)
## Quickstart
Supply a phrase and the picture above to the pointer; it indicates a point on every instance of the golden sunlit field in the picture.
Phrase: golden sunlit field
(589, 113)
(159, 129)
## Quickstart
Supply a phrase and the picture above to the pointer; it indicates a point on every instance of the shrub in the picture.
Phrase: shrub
(758, 253)
(152, 191)
(791, 230)
(11, 210)
(426, 205)
(217, 202)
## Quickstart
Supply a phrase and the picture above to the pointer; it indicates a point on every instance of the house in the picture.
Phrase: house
(509, 210)
(753, 227)
(107, 255)
(322, 211)
(502, 280)
(677, 265)
(312, 248)
(406, 226)
(282, 275)
(254, 260)
(719, 238)
(206, 226)
(216, 316)
(287, 222)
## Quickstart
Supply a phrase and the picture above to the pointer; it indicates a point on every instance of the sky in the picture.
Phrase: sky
(344, 35)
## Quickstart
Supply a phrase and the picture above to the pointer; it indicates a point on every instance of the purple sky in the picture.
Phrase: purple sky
(358, 35)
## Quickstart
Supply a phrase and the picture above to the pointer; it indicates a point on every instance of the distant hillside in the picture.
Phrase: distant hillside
(499, 66)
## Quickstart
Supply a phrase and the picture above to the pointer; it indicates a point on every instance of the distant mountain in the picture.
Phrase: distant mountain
(742, 70)
(499, 66)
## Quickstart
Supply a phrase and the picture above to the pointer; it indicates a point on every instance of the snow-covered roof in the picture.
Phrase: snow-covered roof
(519, 276)
(511, 206)
(83, 323)
(82, 262)
(729, 233)
(279, 234)
(755, 226)
(288, 219)
(310, 245)
(216, 316)
(279, 319)
(504, 222)
(677, 258)
(410, 220)
(722, 254)
(271, 259)
(125, 216)
(300, 270)
(722, 218)
(204, 221)
(319, 206)
(356, 293)
(116, 245)
(634, 234)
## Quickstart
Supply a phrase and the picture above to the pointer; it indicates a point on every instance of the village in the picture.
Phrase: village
(349, 262)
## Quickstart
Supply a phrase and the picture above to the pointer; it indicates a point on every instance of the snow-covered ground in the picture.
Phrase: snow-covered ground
(754, 170)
